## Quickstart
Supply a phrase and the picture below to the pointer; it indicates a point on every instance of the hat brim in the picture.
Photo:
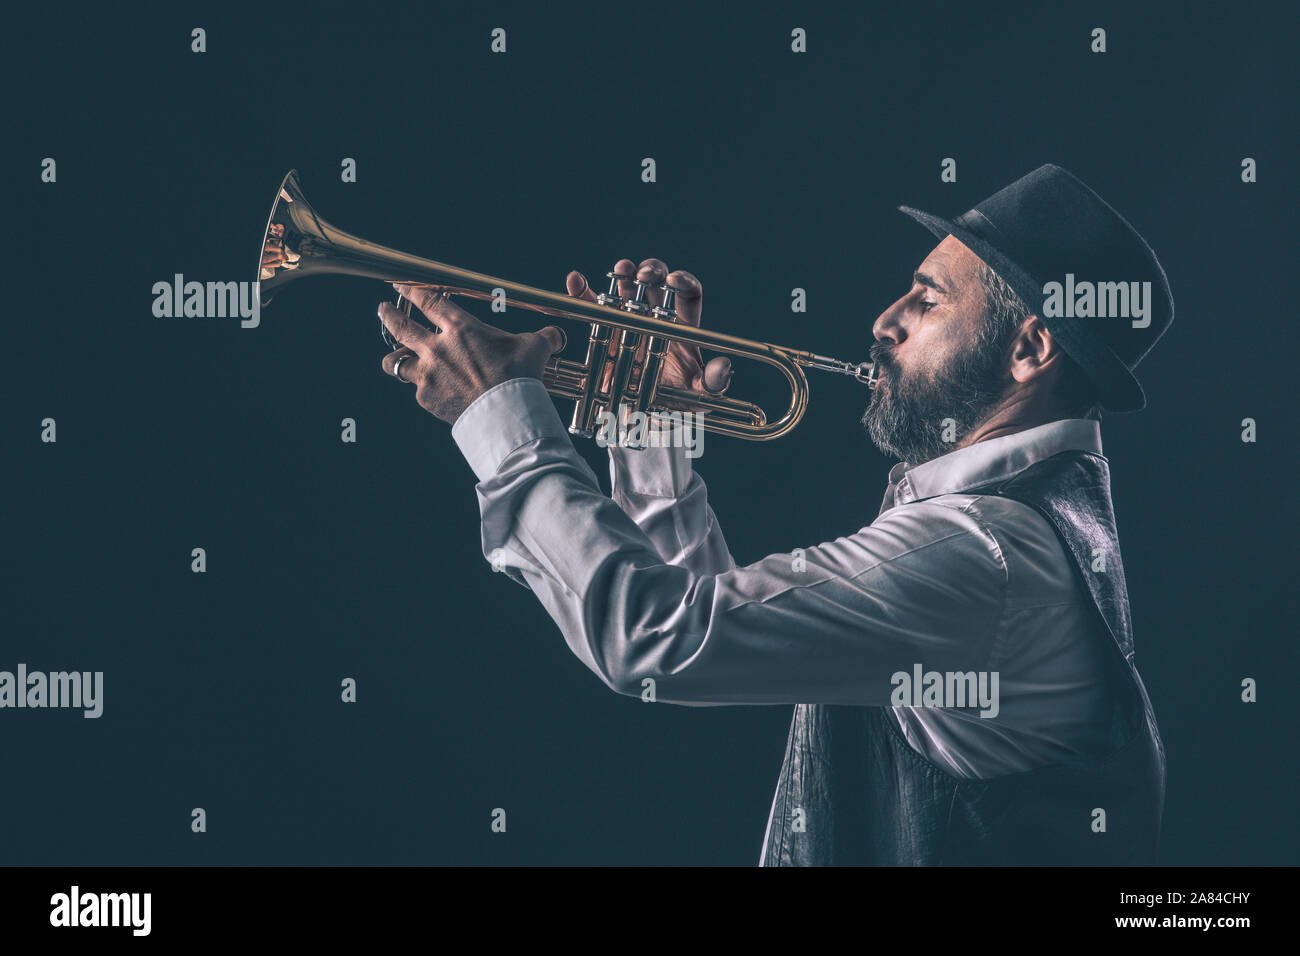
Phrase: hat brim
(1118, 390)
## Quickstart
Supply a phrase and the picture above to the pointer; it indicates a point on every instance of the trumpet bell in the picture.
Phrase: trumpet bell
(299, 243)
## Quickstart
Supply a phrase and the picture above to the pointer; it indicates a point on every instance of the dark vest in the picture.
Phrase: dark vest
(868, 798)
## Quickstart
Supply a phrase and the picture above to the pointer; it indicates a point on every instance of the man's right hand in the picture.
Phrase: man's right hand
(683, 366)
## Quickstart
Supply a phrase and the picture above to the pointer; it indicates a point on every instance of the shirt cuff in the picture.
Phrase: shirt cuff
(503, 418)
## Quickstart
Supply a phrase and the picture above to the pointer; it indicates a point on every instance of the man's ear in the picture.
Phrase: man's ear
(1034, 353)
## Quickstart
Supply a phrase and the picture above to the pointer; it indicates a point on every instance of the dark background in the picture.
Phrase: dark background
(328, 560)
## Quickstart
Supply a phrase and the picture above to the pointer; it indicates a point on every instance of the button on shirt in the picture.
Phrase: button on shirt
(642, 585)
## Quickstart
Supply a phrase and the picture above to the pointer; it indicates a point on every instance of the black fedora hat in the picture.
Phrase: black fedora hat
(1046, 226)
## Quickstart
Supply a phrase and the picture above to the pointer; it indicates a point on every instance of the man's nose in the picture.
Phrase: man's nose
(889, 327)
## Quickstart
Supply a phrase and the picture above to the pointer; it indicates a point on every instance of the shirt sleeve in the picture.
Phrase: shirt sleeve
(923, 585)
(658, 488)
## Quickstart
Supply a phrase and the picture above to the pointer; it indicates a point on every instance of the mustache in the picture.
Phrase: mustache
(882, 354)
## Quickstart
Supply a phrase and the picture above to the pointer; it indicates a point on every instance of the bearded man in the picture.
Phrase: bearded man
(962, 668)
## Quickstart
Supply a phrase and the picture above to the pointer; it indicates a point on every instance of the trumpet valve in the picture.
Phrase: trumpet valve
(638, 304)
(611, 298)
(667, 311)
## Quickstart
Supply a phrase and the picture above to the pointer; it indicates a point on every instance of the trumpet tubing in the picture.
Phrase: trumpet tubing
(619, 371)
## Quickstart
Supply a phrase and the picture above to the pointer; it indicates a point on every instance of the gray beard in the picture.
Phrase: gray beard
(908, 415)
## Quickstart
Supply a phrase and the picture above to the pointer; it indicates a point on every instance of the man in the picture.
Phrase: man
(962, 669)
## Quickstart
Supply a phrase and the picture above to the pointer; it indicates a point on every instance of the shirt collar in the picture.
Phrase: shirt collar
(990, 461)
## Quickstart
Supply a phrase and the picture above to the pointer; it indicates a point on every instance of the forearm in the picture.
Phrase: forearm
(659, 489)
(547, 523)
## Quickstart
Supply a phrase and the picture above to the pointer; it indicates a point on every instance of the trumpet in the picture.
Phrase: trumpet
(619, 374)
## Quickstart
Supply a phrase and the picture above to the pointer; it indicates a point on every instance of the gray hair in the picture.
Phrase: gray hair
(1005, 314)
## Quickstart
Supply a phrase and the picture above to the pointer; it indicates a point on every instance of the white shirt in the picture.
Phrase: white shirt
(642, 586)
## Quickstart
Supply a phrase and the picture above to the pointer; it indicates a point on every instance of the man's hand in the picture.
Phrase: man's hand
(683, 366)
(463, 358)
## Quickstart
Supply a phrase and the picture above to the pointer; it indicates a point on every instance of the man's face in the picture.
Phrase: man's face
(938, 377)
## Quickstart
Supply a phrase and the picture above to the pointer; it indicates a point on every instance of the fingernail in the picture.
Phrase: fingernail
(564, 339)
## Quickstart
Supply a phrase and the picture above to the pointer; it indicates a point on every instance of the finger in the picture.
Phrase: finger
(432, 304)
(405, 329)
(575, 283)
(654, 272)
(411, 363)
(690, 296)
(550, 340)
(716, 376)
(626, 270)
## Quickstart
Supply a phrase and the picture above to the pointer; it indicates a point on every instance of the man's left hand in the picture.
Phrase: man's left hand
(461, 357)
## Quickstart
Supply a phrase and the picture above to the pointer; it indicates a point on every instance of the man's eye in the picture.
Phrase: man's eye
(927, 306)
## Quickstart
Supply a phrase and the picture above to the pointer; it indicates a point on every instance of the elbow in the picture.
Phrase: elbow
(647, 629)
(644, 670)
(626, 680)
(631, 670)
